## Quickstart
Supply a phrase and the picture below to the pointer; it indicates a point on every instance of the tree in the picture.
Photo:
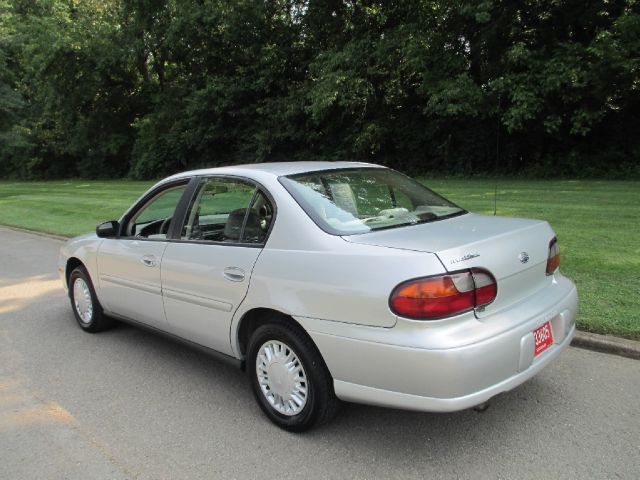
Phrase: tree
(147, 87)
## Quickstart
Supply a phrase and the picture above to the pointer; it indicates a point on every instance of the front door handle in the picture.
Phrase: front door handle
(233, 274)
(148, 260)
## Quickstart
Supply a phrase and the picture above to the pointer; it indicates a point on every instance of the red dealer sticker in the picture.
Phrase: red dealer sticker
(543, 339)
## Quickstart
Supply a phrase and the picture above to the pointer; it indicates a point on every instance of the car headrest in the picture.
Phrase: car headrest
(252, 230)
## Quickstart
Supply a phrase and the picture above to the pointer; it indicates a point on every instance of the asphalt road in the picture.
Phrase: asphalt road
(130, 404)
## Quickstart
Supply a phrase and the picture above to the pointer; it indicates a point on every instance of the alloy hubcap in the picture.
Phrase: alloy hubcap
(282, 379)
(82, 300)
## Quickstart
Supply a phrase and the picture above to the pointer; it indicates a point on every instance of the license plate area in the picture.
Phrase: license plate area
(543, 338)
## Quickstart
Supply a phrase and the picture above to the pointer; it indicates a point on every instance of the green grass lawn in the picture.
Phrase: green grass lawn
(66, 207)
(597, 223)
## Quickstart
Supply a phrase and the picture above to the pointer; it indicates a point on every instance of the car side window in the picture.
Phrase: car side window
(153, 220)
(259, 219)
(227, 210)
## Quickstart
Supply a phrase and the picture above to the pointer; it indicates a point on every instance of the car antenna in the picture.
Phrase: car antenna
(495, 173)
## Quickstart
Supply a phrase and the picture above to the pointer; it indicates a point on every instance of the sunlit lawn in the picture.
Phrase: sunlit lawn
(597, 223)
(66, 207)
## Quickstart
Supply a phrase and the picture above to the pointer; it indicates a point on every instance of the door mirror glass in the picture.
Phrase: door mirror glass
(108, 229)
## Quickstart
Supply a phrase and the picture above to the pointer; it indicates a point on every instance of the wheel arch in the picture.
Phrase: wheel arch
(254, 318)
(72, 264)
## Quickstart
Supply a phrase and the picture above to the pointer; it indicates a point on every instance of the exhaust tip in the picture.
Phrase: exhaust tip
(482, 407)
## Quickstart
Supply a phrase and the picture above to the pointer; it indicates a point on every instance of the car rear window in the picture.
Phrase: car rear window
(361, 200)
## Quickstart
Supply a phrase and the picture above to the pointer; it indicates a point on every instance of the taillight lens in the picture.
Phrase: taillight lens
(443, 296)
(553, 261)
(486, 287)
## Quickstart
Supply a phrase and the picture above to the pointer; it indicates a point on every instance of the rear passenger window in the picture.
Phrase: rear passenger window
(229, 211)
(259, 219)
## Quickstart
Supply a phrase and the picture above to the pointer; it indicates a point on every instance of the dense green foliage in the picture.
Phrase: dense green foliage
(103, 88)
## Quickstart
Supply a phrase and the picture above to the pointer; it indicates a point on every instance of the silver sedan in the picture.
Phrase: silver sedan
(330, 281)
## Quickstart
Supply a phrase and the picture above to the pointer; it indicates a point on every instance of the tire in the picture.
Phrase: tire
(86, 309)
(275, 386)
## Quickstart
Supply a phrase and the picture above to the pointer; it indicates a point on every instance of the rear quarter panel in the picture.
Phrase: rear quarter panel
(307, 273)
(348, 284)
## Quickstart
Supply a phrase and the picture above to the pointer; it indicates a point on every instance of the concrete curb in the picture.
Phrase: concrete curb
(589, 341)
(607, 344)
(33, 232)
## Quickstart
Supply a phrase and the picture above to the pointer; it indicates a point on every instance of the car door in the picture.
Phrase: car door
(129, 265)
(206, 272)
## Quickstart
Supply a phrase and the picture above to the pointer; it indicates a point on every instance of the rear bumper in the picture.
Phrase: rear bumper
(387, 398)
(405, 376)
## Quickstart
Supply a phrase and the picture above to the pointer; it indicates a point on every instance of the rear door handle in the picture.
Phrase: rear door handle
(148, 260)
(233, 274)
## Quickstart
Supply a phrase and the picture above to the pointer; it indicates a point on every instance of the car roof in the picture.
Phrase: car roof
(275, 169)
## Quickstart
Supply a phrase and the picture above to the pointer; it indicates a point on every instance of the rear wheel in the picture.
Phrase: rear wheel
(288, 377)
(84, 302)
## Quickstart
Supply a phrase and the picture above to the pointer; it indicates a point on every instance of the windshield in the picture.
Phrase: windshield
(361, 200)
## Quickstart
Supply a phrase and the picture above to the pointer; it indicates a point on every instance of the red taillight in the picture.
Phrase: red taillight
(442, 296)
(486, 287)
(553, 261)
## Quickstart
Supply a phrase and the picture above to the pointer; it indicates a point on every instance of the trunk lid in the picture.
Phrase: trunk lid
(514, 250)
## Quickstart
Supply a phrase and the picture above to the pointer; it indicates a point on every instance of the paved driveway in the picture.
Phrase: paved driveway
(130, 404)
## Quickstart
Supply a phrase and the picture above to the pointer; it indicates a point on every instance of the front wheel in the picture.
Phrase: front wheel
(289, 378)
(84, 302)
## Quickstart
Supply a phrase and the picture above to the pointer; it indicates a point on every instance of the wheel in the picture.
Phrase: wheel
(288, 377)
(84, 303)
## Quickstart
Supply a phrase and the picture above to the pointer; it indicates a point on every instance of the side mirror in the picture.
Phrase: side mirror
(108, 229)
